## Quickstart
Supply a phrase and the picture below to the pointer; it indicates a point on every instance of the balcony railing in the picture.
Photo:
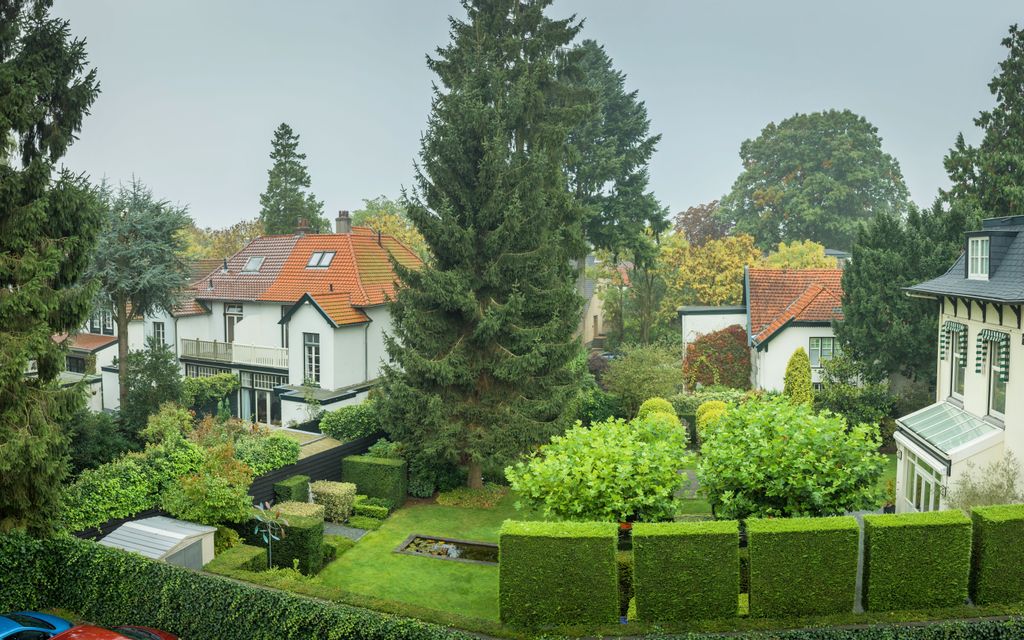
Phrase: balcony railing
(234, 353)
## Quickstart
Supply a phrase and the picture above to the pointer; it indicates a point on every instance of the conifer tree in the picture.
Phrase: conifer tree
(287, 200)
(483, 335)
(797, 383)
(49, 218)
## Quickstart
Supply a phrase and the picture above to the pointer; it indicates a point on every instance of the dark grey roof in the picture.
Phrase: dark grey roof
(1006, 267)
(699, 310)
(837, 253)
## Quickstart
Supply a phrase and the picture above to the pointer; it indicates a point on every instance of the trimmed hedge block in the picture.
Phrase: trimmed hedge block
(293, 489)
(371, 511)
(303, 541)
(553, 573)
(997, 561)
(686, 570)
(304, 509)
(377, 477)
(336, 497)
(802, 566)
(916, 560)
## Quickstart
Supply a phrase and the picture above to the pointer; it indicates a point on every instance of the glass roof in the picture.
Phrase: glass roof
(946, 426)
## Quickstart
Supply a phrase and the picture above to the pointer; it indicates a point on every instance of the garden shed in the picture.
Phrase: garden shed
(185, 544)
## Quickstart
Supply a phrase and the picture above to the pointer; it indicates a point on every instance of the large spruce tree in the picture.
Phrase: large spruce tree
(287, 200)
(49, 218)
(483, 335)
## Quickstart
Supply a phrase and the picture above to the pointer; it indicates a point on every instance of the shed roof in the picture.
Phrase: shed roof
(156, 537)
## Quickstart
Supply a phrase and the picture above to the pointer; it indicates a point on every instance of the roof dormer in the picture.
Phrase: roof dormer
(985, 250)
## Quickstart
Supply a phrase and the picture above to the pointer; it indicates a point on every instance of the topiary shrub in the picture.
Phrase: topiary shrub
(301, 545)
(719, 358)
(788, 560)
(352, 421)
(294, 488)
(304, 509)
(370, 510)
(707, 414)
(686, 570)
(797, 385)
(916, 560)
(337, 498)
(997, 559)
(376, 477)
(624, 564)
(265, 453)
(655, 405)
(558, 573)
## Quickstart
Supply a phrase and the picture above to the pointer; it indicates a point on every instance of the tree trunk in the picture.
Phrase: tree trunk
(121, 318)
(476, 476)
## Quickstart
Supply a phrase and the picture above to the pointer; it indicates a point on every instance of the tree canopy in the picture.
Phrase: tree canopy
(207, 242)
(287, 199)
(798, 254)
(389, 217)
(699, 224)
(813, 176)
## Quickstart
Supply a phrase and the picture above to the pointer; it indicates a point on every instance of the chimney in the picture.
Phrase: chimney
(302, 228)
(224, 269)
(209, 284)
(343, 224)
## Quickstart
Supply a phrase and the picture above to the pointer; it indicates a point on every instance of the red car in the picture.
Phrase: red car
(87, 632)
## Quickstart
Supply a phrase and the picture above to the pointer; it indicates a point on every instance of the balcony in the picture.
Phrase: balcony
(234, 353)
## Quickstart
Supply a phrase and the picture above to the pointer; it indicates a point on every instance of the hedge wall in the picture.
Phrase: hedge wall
(802, 566)
(376, 477)
(686, 570)
(997, 560)
(916, 560)
(558, 573)
(295, 489)
(110, 587)
(303, 541)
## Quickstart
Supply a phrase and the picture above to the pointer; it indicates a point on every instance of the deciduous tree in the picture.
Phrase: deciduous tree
(799, 254)
(207, 242)
(287, 199)
(388, 217)
(699, 224)
(711, 274)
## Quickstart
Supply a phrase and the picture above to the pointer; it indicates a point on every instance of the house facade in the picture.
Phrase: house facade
(782, 310)
(977, 416)
(300, 319)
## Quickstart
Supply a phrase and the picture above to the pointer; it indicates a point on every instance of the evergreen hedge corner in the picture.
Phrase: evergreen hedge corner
(554, 573)
(997, 560)
(377, 477)
(802, 566)
(303, 541)
(292, 489)
(916, 560)
(686, 570)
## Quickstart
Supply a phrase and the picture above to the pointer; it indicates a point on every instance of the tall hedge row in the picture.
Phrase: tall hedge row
(916, 560)
(301, 545)
(377, 477)
(686, 570)
(802, 566)
(997, 559)
(558, 572)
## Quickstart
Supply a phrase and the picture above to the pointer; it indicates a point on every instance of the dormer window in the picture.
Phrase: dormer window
(977, 259)
(320, 259)
(253, 264)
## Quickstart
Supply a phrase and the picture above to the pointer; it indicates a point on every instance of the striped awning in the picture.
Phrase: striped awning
(949, 329)
(1002, 341)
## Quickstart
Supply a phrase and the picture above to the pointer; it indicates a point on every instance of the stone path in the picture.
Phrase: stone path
(341, 530)
(689, 490)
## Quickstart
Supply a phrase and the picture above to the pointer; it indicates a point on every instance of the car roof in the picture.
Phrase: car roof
(88, 632)
(8, 625)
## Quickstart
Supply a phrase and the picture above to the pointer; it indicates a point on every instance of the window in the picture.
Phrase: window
(158, 332)
(996, 384)
(202, 371)
(30, 635)
(320, 259)
(232, 316)
(922, 485)
(258, 402)
(75, 364)
(26, 620)
(108, 323)
(959, 367)
(284, 328)
(253, 264)
(977, 253)
(821, 349)
(311, 358)
(102, 322)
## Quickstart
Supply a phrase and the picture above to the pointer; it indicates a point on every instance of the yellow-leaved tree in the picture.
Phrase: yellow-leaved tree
(711, 274)
(799, 254)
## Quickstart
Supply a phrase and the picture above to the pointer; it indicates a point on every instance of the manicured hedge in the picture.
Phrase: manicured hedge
(686, 570)
(370, 511)
(376, 477)
(624, 563)
(802, 566)
(110, 587)
(304, 509)
(916, 560)
(336, 497)
(303, 541)
(997, 560)
(558, 573)
(295, 488)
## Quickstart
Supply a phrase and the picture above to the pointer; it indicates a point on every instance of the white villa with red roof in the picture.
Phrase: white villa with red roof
(294, 316)
(782, 310)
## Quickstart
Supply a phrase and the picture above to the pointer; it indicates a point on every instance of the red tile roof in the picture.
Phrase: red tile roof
(90, 342)
(779, 296)
(360, 274)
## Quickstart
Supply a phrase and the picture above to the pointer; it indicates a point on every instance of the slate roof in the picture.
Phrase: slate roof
(777, 297)
(1006, 272)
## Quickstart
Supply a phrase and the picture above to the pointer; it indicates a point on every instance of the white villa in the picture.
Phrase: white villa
(977, 416)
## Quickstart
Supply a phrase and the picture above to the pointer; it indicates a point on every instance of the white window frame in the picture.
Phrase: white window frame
(320, 260)
(816, 360)
(311, 357)
(159, 332)
(253, 264)
(993, 379)
(925, 495)
(978, 258)
(955, 365)
(233, 314)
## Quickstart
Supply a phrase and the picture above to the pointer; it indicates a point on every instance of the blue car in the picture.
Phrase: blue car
(31, 625)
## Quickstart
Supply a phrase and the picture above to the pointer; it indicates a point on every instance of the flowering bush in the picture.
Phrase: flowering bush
(720, 358)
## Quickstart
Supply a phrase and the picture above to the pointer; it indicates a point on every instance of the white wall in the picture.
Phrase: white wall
(698, 324)
(208, 326)
(111, 390)
(169, 338)
(768, 366)
(377, 353)
(307, 319)
(94, 396)
(259, 325)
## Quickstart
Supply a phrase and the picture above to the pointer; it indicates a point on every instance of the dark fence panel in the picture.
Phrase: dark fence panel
(325, 465)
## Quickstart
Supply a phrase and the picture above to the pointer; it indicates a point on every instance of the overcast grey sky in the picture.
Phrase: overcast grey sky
(193, 89)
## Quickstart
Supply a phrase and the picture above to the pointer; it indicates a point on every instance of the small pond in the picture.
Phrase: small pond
(449, 549)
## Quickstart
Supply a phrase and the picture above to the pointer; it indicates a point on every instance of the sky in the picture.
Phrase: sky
(193, 89)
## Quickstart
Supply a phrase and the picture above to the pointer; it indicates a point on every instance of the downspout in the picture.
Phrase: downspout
(366, 352)
(750, 338)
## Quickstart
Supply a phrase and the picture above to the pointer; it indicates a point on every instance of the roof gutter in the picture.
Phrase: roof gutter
(746, 302)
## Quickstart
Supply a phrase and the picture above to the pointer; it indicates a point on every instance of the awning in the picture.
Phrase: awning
(986, 336)
(950, 431)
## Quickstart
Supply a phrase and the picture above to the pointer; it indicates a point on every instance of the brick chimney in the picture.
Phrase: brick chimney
(302, 228)
(343, 224)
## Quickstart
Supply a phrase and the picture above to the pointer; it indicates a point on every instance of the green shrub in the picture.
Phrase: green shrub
(427, 475)
(352, 421)
(304, 509)
(686, 404)
(370, 511)
(171, 421)
(596, 405)
(218, 492)
(486, 497)
(797, 382)
(265, 453)
(916, 560)
(337, 498)
(96, 438)
(655, 405)
(376, 477)
(707, 414)
(295, 488)
(225, 538)
(643, 372)
(997, 561)
(802, 566)
(558, 573)
(365, 522)
(384, 448)
(204, 393)
(377, 502)
(848, 390)
(243, 557)
(624, 564)
(303, 540)
(686, 570)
